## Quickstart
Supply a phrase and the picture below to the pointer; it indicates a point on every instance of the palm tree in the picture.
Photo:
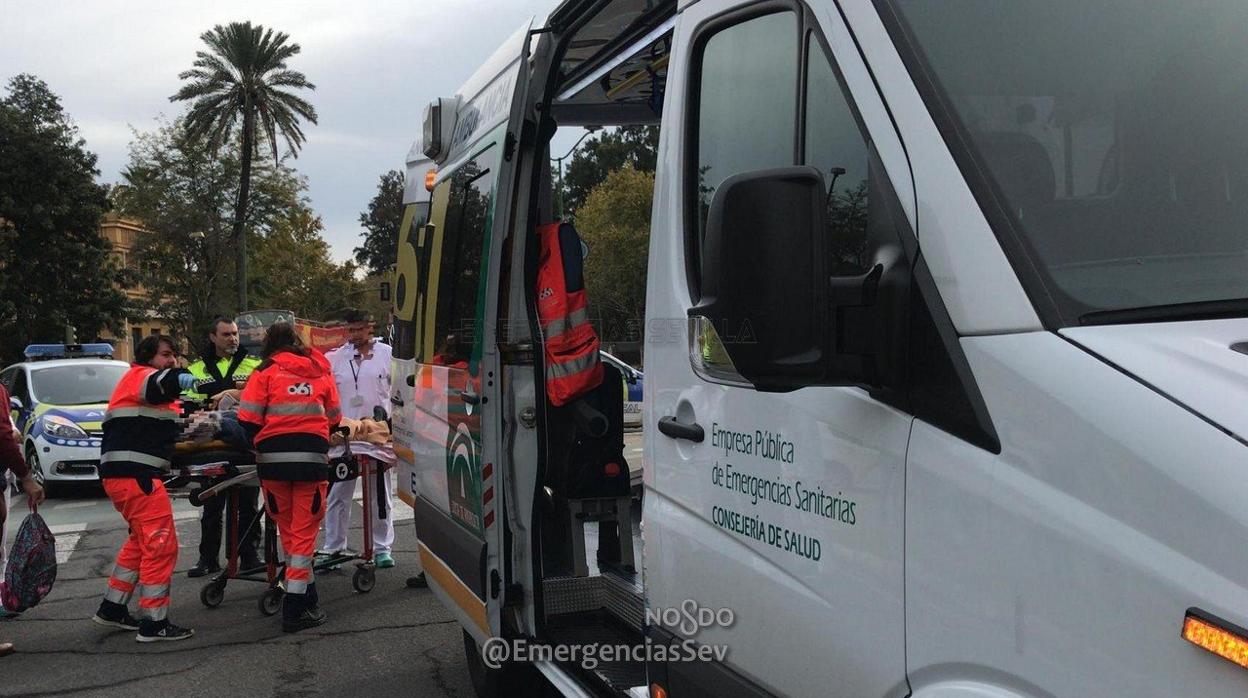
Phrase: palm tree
(243, 76)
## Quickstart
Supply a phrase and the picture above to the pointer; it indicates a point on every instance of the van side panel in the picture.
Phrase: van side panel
(1069, 561)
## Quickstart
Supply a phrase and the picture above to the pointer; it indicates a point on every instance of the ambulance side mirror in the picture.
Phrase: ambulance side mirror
(764, 281)
(383, 291)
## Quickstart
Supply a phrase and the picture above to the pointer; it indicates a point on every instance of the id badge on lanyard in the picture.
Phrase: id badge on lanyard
(357, 400)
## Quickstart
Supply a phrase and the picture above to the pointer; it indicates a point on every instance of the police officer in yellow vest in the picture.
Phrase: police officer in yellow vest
(223, 368)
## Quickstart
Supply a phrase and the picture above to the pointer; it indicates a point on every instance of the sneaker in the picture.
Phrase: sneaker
(165, 632)
(310, 618)
(6, 614)
(124, 622)
(417, 582)
(383, 561)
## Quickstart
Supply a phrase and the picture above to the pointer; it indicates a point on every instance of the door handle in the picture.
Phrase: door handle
(396, 400)
(470, 397)
(676, 430)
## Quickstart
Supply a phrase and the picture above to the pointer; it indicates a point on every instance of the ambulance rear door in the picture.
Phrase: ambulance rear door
(416, 199)
(446, 302)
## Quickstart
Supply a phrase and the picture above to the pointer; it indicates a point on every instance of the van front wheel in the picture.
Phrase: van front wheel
(511, 679)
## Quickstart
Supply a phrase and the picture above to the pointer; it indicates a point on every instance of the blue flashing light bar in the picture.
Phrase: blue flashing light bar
(43, 352)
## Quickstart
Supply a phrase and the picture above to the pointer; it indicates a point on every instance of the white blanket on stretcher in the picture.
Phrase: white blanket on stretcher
(385, 453)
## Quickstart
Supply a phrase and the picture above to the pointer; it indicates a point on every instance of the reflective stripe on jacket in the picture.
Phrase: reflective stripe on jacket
(291, 403)
(141, 423)
(573, 367)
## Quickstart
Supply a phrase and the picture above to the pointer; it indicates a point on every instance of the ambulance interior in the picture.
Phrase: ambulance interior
(588, 585)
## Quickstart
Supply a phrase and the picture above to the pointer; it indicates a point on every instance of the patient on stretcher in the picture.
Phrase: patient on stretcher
(203, 428)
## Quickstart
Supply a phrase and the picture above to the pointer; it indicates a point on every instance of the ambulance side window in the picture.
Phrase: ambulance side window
(746, 104)
(835, 144)
(411, 267)
(768, 95)
(459, 277)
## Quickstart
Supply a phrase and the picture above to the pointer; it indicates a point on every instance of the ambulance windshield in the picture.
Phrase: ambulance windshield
(1113, 135)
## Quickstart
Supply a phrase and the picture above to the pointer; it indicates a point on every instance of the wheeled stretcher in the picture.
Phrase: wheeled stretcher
(202, 471)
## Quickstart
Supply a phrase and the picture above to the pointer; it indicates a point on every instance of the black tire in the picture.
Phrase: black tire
(508, 681)
(364, 579)
(271, 601)
(36, 469)
(212, 594)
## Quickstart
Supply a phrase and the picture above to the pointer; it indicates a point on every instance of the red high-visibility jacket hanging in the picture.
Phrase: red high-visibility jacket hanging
(571, 344)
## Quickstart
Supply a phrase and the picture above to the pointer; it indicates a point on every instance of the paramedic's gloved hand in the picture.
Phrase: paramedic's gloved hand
(186, 380)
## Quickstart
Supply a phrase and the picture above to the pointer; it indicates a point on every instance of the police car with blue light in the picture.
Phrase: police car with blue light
(57, 401)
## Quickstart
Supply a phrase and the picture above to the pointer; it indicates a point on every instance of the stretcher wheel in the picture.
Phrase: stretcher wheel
(212, 594)
(193, 497)
(364, 579)
(271, 601)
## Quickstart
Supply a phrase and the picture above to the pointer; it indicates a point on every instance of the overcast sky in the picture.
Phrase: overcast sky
(375, 65)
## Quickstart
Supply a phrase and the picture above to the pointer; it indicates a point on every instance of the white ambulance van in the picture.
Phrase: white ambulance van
(946, 372)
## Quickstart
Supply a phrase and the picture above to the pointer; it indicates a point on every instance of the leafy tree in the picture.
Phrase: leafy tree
(615, 224)
(367, 296)
(847, 229)
(382, 220)
(55, 266)
(185, 195)
(294, 271)
(243, 76)
(605, 153)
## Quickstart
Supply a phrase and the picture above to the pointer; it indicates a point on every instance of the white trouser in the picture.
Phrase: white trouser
(338, 515)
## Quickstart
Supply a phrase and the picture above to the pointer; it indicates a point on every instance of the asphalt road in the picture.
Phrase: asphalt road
(392, 641)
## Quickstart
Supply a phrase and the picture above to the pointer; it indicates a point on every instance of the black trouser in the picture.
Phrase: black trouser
(210, 524)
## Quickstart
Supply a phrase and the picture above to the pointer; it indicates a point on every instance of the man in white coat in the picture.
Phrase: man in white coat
(362, 371)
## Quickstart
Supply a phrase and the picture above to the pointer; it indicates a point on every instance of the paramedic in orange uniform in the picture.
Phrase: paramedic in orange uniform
(288, 408)
(140, 428)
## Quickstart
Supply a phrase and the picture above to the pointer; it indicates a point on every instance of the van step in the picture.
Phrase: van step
(597, 629)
